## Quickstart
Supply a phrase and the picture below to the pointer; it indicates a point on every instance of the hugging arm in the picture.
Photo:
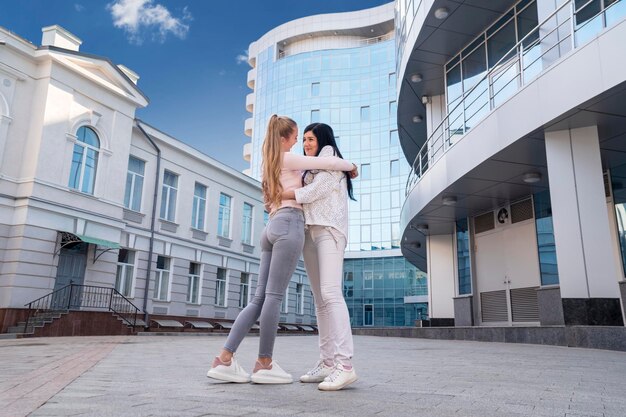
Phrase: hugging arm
(323, 184)
(303, 163)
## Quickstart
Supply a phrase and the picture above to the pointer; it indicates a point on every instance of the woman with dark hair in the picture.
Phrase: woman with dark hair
(324, 198)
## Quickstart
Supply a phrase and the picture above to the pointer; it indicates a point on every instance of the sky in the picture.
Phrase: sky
(190, 54)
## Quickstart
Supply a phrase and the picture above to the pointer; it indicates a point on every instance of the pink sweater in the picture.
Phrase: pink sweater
(294, 165)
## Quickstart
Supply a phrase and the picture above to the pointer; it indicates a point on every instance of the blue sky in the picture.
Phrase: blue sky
(188, 54)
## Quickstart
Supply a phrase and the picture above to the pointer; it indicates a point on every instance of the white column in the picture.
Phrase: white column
(581, 224)
(440, 264)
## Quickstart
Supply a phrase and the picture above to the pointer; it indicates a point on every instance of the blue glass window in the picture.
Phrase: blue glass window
(365, 172)
(223, 217)
(365, 114)
(463, 257)
(315, 89)
(246, 232)
(199, 207)
(394, 168)
(84, 160)
(134, 183)
(169, 193)
(545, 239)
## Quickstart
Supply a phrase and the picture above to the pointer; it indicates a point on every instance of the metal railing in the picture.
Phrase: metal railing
(357, 43)
(550, 40)
(82, 297)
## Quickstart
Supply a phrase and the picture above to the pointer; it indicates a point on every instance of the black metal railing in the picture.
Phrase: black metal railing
(82, 297)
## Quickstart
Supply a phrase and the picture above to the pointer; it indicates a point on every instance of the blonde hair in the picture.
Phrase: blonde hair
(277, 128)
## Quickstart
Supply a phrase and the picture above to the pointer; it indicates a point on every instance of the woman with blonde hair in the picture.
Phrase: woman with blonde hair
(282, 241)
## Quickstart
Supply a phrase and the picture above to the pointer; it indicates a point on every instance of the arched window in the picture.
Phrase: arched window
(84, 160)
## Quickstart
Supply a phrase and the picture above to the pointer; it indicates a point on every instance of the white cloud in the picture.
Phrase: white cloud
(79, 7)
(135, 16)
(242, 58)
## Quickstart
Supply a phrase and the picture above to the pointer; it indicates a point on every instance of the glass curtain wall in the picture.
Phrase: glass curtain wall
(354, 91)
(465, 72)
(374, 289)
(349, 89)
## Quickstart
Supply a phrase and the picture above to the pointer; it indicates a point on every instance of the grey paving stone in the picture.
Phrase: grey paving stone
(165, 376)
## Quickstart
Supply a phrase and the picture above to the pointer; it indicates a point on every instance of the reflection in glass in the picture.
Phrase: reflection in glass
(545, 239)
(475, 86)
(463, 257)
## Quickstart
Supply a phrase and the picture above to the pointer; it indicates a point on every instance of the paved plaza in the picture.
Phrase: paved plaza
(166, 376)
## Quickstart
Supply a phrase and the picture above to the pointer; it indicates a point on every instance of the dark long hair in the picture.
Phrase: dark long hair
(326, 137)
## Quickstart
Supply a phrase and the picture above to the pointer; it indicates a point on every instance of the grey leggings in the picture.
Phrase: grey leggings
(282, 241)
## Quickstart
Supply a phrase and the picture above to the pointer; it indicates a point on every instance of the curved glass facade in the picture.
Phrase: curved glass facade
(354, 91)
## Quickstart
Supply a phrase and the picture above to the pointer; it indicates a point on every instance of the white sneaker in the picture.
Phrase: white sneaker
(230, 373)
(338, 378)
(275, 375)
(318, 373)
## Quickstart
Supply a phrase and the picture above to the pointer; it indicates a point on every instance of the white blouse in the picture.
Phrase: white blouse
(324, 197)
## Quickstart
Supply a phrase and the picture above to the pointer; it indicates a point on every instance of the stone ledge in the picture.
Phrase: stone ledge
(591, 337)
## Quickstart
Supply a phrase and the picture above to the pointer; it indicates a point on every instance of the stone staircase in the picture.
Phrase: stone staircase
(37, 321)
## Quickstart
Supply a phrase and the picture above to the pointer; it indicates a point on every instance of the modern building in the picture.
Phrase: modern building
(340, 69)
(91, 196)
(511, 114)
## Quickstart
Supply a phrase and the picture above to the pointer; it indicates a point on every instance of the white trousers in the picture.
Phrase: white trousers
(323, 253)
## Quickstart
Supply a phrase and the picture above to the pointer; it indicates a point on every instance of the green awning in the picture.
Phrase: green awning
(99, 242)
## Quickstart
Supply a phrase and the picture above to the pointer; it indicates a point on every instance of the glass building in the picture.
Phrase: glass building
(514, 203)
(346, 77)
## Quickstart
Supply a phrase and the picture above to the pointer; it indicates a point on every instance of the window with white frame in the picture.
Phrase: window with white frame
(199, 207)
(220, 288)
(134, 183)
(246, 232)
(284, 306)
(223, 216)
(244, 289)
(169, 193)
(84, 160)
(368, 280)
(266, 217)
(124, 277)
(300, 296)
(194, 281)
(162, 279)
